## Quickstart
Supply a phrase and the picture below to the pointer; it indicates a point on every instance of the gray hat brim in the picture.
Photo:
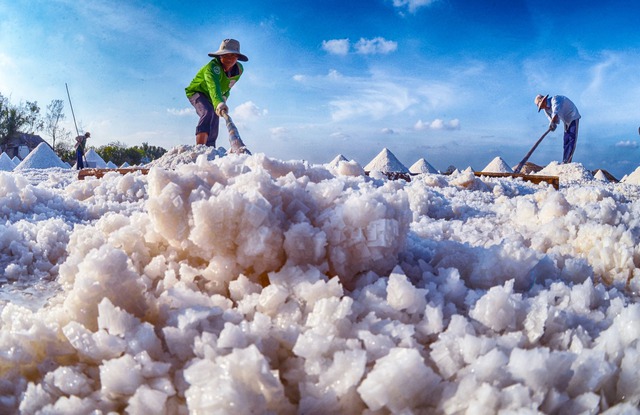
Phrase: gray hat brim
(241, 57)
(541, 102)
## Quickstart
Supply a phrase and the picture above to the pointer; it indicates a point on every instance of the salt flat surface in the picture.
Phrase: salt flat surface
(244, 284)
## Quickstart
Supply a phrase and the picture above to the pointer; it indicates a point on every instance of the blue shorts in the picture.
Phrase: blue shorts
(209, 120)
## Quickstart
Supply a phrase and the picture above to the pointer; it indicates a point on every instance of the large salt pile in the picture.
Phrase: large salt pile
(386, 162)
(336, 161)
(42, 157)
(498, 165)
(422, 166)
(6, 164)
(600, 176)
(244, 284)
(93, 159)
(633, 178)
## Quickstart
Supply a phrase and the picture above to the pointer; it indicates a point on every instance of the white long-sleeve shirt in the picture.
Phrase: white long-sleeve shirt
(563, 108)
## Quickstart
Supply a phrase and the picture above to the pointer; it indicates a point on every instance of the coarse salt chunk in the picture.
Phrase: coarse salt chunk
(70, 380)
(402, 295)
(121, 376)
(498, 309)
(147, 401)
(399, 382)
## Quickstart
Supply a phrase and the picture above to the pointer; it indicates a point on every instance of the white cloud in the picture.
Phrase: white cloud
(339, 135)
(627, 144)
(248, 111)
(437, 124)
(181, 111)
(377, 45)
(375, 100)
(279, 131)
(412, 5)
(336, 46)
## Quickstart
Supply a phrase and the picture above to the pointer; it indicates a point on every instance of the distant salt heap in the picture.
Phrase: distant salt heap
(94, 159)
(6, 164)
(633, 178)
(42, 157)
(16, 160)
(336, 161)
(422, 166)
(386, 162)
(111, 165)
(600, 176)
(498, 165)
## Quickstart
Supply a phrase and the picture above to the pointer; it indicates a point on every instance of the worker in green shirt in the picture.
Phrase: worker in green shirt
(209, 90)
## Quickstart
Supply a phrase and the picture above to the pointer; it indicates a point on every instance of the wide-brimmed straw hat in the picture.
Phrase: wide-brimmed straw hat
(230, 46)
(539, 101)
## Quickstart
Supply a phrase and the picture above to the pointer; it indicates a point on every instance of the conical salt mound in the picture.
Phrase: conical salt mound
(422, 166)
(94, 160)
(633, 178)
(6, 164)
(386, 162)
(600, 176)
(42, 157)
(498, 165)
(334, 163)
(16, 160)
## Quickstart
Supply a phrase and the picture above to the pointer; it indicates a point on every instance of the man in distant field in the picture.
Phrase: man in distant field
(560, 108)
(81, 144)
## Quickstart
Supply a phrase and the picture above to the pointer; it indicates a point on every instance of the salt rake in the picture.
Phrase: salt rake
(237, 146)
(524, 160)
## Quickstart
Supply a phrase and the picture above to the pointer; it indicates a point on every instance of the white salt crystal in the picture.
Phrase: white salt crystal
(402, 295)
(432, 323)
(147, 401)
(114, 319)
(232, 337)
(71, 381)
(271, 298)
(120, 376)
(345, 372)
(498, 308)
(96, 346)
(398, 382)
(628, 386)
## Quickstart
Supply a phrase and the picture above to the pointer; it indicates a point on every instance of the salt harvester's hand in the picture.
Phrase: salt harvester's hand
(220, 108)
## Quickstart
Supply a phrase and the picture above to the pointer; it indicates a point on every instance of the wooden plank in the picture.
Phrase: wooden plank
(533, 178)
(101, 172)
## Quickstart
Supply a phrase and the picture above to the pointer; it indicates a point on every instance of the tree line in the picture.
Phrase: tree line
(26, 117)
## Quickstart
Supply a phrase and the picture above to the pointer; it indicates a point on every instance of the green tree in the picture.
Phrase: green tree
(32, 120)
(53, 118)
(14, 118)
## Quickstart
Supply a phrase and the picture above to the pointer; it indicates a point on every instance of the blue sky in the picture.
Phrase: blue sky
(446, 80)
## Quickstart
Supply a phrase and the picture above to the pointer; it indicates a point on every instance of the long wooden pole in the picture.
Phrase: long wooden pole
(72, 113)
(524, 160)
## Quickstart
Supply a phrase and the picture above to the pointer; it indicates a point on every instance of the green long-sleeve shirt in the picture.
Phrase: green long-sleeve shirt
(213, 82)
